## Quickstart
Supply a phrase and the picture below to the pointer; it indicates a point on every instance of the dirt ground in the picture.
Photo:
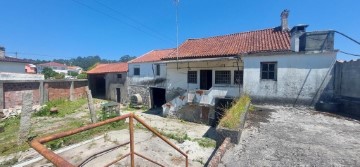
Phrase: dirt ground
(281, 136)
(145, 143)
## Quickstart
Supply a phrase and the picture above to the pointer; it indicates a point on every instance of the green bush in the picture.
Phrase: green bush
(231, 119)
(60, 76)
(82, 76)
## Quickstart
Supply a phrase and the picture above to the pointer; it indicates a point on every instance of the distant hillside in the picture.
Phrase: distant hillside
(86, 62)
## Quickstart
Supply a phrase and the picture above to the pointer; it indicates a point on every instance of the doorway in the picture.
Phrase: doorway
(158, 97)
(205, 79)
(118, 95)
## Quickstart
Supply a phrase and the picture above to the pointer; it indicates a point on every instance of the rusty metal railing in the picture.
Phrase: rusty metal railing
(57, 160)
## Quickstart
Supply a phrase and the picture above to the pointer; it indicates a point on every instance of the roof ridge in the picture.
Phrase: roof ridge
(237, 33)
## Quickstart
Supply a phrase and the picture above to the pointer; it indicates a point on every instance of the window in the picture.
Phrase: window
(238, 77)
(158, 69)
(268, 70)
(222, 77)
(136, 71)
(119, 76)
(192, 77)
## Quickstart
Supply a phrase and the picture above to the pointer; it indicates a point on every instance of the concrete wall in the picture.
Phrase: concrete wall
(299, 77)
(348, 79)
(112, 82)
(11, 91)
(12, 67)
(177, 75)
(18, 76)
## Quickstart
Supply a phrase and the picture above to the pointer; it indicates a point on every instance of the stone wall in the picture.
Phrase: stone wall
(143, 91)
(42, 91)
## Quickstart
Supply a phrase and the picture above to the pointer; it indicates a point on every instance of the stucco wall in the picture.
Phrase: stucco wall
(177, 75)
(112, 82)
(147, 74)
(348, 79)
(12, 67)
(298, 76)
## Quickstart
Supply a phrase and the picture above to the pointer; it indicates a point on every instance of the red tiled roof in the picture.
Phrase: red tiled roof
(52, 64)
(16, 60)
(267, 40)
(109, 68)
(154, 55)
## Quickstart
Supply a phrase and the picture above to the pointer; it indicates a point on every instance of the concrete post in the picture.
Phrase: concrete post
(41, 91)
(91, 105)
(72, 98)
(45, 93)
(1, 96)
(25, 122)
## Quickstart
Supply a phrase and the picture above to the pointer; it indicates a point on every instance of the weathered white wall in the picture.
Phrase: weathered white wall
(18, 76)
(112, 82)
(297, 75)
(147, 71)
(177, 75)
(12, 67)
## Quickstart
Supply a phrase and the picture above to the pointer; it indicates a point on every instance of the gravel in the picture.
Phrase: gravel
(283, 136)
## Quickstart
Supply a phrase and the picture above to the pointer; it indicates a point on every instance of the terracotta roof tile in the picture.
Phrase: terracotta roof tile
(52, 64)
(153, 56)
(109, 68)
(266, 40)
(16, 60)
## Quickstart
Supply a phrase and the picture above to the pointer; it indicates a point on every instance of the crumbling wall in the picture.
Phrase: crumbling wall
(143, 91)
(13, 93)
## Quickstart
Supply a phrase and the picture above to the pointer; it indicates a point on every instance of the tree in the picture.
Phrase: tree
(82, 76)
(72, 73)
(59, 76)
(48, 72)
(126, 58)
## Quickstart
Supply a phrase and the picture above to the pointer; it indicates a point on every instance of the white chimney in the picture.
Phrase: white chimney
(284, 20)
(2, 52)
(295, 33)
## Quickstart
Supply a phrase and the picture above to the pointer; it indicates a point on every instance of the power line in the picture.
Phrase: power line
(348, 37)
(349, 53)
(135, 21)
(115, 18)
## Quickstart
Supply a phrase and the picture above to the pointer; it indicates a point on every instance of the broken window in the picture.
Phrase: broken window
(157, 69)
(268, 70)
(239, 77)
(222, 77)
(136, 71)
(192, 77)
(119, 76)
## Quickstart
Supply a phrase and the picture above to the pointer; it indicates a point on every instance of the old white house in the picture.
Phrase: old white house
(271, 65)
(147, 77)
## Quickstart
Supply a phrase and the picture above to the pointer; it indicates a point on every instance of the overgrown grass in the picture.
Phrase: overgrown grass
(8, 138)
(231, 119)
(64, 107)
(206, 142)
(86, 135)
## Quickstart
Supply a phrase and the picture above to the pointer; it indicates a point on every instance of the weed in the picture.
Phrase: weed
(64, 107)
(179, 137)
(206, 142)
(200, 160)
(232, 116)
(9, 162)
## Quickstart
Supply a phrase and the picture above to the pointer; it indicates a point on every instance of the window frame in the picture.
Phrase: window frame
(194, 75)
(157, 69)
(136, 71)
(117, 76)
(241, 82)
(268, 71)
(217, 81)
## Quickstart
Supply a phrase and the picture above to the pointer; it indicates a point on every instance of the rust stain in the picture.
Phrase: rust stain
(182, 98)
(200, 92)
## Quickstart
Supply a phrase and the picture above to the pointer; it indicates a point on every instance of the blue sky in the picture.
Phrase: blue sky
(113, 28)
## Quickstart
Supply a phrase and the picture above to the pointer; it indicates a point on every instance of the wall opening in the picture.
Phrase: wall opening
(98, 86)
(221, 104)
(157, 97)
(118, 95)
(205, 79)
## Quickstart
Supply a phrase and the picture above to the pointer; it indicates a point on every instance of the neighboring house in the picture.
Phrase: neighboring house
(75, 69)
(30, 69)
(147, 77)
(57, 67)
(109, 81)
(271, 65)
(14, 68)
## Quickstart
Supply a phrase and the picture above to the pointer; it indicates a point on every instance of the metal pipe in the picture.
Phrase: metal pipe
(131, 129)
(48, 154)
(117, 160)
(149, 159)
(161, 137)
(81, 129)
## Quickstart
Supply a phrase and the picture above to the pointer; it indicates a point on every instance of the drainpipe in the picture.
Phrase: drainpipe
(237, 63)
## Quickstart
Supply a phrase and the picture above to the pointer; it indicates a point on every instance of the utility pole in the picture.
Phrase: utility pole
(177, 34)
